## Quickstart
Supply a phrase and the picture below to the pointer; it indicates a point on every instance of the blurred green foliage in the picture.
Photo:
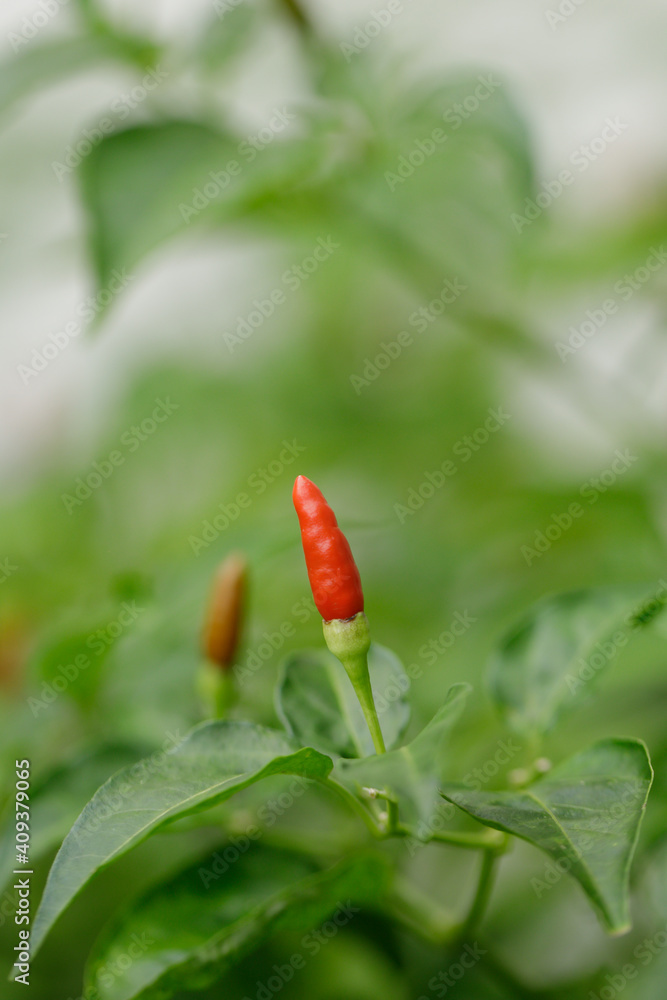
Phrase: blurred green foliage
(334, 175)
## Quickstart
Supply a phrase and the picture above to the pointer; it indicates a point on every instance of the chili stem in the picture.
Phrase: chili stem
(491, 840)
(357, 669)
(484, 887)
(297, 13)
(356, 805)
(500, 974)
(365, 695)
(364, 692)
(416, 911)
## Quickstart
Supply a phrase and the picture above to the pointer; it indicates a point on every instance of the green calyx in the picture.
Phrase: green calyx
(348, 637)
(349, 640)
(216, 690)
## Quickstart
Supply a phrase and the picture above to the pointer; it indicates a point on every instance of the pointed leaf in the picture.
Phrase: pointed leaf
(190, 931)
(317, 703)
(65, 648)
(410, 775)
(40, 65)
(215, 760)
(561, 644)
(145, 184)
(585, 813)
(225, 39)
(133, 182)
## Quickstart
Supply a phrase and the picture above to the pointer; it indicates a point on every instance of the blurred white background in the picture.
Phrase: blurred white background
(569, 73)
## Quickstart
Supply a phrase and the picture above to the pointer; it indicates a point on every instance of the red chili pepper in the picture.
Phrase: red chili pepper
(334, 577)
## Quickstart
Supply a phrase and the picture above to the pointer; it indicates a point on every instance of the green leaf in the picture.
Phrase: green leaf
(133, 182)
(56, 802)
(655, 881)
(318, 706)
(75, 660)
(215, 760)
(225, 38)
(585, 814)
(37, 65)
(34, 66)
(191, 930)
(144, 185)
(411, 774)
(498, 123)
(562, 643)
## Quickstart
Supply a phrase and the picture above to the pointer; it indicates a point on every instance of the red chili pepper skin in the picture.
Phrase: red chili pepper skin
(332, 571)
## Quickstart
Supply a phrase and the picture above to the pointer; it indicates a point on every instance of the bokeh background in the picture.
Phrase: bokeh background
(486, 187)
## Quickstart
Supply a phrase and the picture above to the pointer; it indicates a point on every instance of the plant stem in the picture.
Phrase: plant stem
(354, 803)
(349, 640)
(500, 974)
(491, 839)
(367, 702)
(484, 887)
(216, 689)
(392, 816)
(297, 14)
(364, 693)
(420, 914)
(315, 846)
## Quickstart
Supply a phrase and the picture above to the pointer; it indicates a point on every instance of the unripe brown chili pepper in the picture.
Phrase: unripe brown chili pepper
(334, 577)
(225, 612)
